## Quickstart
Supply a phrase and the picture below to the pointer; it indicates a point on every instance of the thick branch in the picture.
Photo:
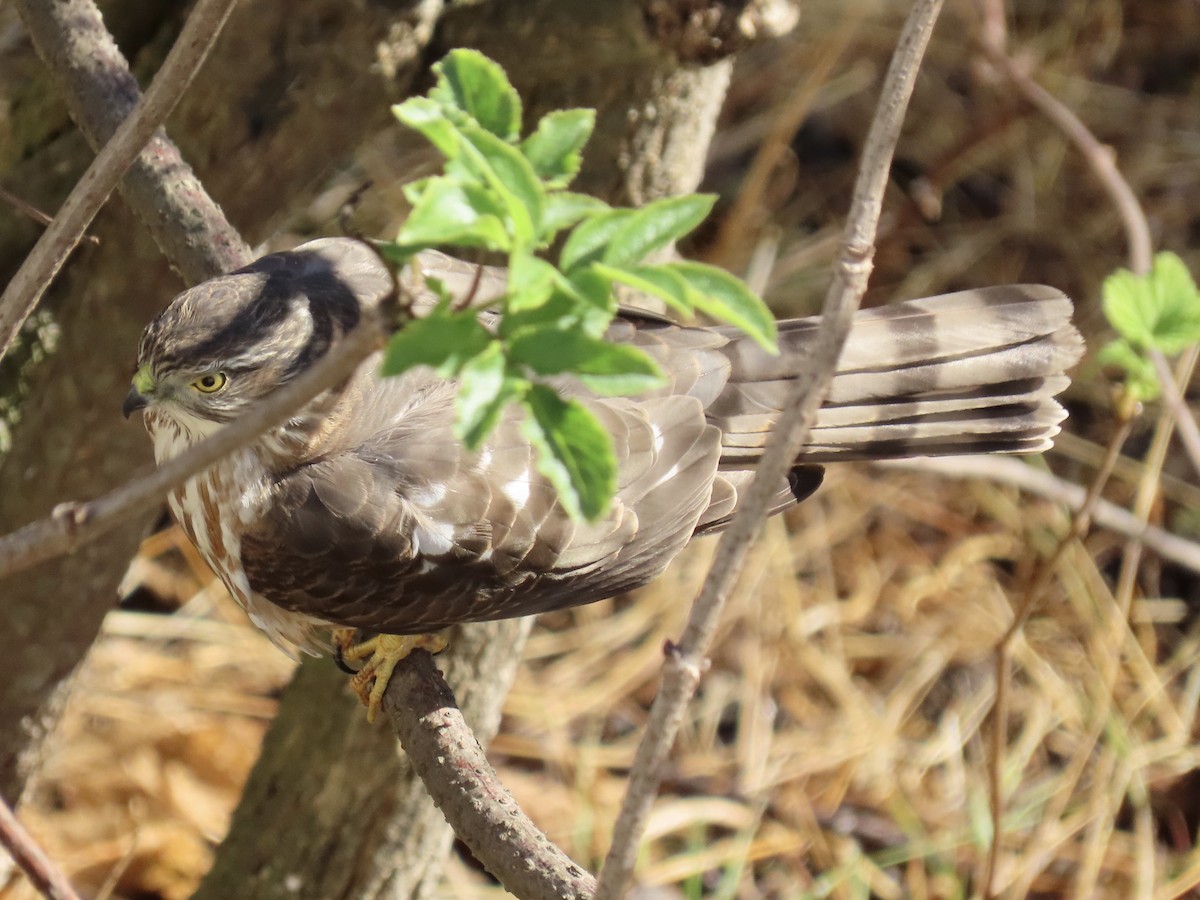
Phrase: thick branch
(102, 95)
(685, 661)
(445, 753)
(259, 134)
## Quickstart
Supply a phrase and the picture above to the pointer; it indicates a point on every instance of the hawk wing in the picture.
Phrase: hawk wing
(400, 529)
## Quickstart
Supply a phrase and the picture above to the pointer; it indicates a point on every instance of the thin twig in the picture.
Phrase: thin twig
(1034, 587)
(36, 214)
(686, 660)
(1107, 515)
(43, 874)
(74, 524)
(21, 296)
(1103, 164)
(446, 754)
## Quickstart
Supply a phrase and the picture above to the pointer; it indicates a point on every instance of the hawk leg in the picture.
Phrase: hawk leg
(382, 653)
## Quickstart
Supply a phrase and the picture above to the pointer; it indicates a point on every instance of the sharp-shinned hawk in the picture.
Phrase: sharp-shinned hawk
(363, 510)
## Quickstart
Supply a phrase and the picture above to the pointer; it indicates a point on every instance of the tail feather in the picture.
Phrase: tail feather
(975, 371)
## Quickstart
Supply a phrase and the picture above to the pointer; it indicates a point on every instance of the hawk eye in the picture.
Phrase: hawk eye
(210, 383)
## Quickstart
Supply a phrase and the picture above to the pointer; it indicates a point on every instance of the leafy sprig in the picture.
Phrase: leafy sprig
(1155, 312)
(507, 194)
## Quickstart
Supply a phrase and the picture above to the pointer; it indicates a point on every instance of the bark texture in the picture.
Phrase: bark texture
(655, 119)
(291, 90)
(333, 808)
(257, 129)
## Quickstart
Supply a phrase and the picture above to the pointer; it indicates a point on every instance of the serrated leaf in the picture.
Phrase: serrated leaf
(562, 311)
(427, 117)
(589, 240)
(594, 298)
(484, 392)
(554, 147)
(450, 213)
(573, 451)
(1160, 310)
(504, 168)
(1126, 299)
(563, 209)
(1178, 323)
(659, 281)
(443, 340)
(655, 225)
(471, 82)
(603, 367)
(530, 282)
(726, 298)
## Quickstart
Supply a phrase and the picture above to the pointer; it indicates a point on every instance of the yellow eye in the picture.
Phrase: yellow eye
(210, 383)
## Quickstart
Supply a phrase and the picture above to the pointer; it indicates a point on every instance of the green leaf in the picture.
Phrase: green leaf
(718, 294)
(574, 451)
(659, 281)
(1160, 310)
(427, 117)
(395, 254)
(1126, 300)
(504, 168)
(655, 225)
(444, 340)
(563, 209)
(603, 367)
(1178, 324)
(589, 240)
(483, 394)
(449, 213)
(554, 148)
(1141, 381)
(472, 83)
(530, 282)
(593, 296)
(562, 311)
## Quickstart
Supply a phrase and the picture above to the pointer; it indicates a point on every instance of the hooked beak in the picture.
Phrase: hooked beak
(143, 384)
(133, 402)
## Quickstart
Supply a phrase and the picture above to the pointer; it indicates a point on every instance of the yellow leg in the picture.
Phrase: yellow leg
(381, 653)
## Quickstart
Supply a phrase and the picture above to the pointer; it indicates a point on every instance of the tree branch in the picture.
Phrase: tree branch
(465, 787)
(73, 524)
(685, 661)
(37, 866)
(60, 238)
(1103, 164)
(1006, 470)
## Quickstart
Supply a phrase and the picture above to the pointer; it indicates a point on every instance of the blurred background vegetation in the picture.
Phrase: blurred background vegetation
(839, 743)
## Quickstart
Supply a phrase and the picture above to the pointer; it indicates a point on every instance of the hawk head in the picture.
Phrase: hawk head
(222, 345)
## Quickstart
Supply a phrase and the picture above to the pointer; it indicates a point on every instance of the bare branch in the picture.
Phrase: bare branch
(60, 238)
(43, 874)
(1103, 163)
(445, 753)
(1007, 470)
(73, 524)
(685, 662)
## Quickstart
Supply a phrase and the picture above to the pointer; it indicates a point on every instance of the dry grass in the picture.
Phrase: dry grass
(838, 745)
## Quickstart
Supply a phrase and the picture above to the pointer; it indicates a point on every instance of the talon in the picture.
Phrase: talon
(382, 653)
(343, 640)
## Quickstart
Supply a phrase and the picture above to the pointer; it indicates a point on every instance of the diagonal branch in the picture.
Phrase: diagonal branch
(93, 189)
(685, 661)
(446, 754)
(74, 524)
(37, 866)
